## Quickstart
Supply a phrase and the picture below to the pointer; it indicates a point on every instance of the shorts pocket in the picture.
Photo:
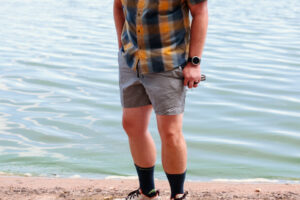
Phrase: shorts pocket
(176, 73)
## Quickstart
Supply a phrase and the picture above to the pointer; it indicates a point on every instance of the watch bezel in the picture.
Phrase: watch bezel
(196, 62)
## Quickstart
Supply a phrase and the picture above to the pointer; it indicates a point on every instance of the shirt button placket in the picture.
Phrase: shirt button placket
(139, 27)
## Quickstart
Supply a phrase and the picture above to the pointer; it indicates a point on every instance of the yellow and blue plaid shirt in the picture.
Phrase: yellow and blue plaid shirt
(156, 34)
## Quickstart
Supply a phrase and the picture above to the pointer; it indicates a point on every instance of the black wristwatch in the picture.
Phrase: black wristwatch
(194, 60)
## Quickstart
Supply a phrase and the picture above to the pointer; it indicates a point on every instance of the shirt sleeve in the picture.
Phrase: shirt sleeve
(193, 2)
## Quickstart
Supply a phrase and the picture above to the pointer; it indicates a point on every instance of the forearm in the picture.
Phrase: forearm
(119, 19)
(198, 33)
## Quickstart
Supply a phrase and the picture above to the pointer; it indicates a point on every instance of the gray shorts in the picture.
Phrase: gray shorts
(164, 90)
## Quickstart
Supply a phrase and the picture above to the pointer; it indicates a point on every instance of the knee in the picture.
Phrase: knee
(132, 128)
(172, 139)
(127, 125)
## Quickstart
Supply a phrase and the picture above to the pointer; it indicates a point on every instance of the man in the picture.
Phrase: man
(160, 54)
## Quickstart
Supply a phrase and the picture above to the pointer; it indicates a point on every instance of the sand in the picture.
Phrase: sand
(42, 188)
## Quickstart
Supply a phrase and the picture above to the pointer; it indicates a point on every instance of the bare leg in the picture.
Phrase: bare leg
(174, 152)
(135, 123)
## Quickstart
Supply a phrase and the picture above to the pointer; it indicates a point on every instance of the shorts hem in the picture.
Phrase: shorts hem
(171, 111)
(136, 106)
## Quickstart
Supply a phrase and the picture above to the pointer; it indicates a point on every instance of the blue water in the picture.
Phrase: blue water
(60, 113)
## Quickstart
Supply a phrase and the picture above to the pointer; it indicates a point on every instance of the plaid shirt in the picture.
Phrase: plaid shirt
(155, 36)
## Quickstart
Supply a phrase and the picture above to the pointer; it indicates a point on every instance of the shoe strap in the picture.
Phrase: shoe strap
(133, 194)
(182, 197)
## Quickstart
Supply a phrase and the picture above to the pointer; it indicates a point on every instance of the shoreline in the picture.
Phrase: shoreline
(48, 188)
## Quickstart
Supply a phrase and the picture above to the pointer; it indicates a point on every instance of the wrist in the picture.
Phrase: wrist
(190, 65)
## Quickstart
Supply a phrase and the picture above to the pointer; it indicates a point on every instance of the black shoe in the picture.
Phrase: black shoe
(138, 195)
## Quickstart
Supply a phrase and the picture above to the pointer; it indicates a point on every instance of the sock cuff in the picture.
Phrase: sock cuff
(176, 174)
(144, 168)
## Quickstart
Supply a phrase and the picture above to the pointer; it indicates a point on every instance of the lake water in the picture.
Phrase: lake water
(60, 113)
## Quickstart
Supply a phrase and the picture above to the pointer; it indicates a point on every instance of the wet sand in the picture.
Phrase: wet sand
(42, 188)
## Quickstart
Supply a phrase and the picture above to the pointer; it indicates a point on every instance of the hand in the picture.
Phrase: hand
(192, 75)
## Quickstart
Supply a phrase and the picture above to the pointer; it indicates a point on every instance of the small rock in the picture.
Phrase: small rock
(36, 191)
(291, 192)
(98, 190)
(58, 188)
(257, 190)
(62, 195)
(206, 194)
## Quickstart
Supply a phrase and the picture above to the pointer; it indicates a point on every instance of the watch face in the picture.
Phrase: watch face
(196, 60)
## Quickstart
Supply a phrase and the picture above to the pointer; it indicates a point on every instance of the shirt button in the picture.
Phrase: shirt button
(139, 30)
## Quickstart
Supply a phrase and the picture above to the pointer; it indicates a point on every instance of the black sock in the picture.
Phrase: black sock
(176, 182)
(146, 179)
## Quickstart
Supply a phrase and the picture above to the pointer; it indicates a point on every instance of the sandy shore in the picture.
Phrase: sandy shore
(41, 188)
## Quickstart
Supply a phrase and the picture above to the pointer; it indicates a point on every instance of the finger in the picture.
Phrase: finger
(185, 82)
(191, 83)
(196, 83)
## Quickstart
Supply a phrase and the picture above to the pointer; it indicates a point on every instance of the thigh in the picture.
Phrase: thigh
(166, 91)
(137, 119)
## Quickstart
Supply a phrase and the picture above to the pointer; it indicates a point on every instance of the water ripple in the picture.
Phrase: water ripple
(60, 109)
